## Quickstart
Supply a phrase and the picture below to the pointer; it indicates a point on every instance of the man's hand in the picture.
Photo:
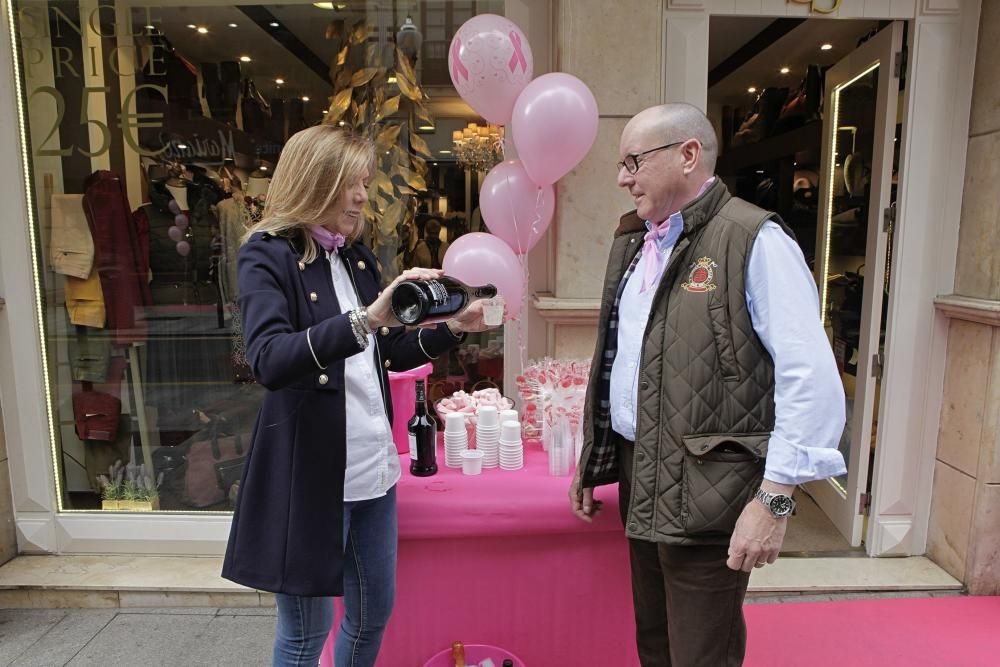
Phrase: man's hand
(582, 502)
(758, 534)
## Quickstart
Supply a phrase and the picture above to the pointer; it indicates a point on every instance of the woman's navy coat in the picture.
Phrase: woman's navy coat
(287, 532)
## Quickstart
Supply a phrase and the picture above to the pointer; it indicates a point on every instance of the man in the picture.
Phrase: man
(713, 390)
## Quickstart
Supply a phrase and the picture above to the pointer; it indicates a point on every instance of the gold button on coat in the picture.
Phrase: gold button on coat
(384, 331)
(324, 378)
(313, 297)
(302, 266)
(362, 265)
(387, 363)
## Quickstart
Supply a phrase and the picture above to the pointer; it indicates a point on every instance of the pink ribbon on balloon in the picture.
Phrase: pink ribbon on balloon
(518, 56)
(456, 60)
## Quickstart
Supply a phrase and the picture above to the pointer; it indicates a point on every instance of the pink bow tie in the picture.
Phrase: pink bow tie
(653, 256)
(331, 242)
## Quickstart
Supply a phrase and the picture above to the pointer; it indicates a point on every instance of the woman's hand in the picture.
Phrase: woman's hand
(471, 319)
(380, 311)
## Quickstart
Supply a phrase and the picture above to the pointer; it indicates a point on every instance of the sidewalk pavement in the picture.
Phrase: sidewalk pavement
(190, 637)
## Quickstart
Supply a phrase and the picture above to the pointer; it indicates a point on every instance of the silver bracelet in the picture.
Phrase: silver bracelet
(359, 332)
(421, 344)
(315, 358)
(363, 318)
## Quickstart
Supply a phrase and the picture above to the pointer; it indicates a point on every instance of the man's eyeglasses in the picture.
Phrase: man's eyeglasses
(631, 162)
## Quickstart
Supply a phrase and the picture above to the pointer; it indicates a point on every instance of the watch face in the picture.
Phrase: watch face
(781, 506)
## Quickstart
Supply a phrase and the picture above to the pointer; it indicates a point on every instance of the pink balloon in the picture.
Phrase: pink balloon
(175, 233)
(182, 221)
(490, 64)
(554, 125)
(514, 208)
(183, 248)
(478, 258)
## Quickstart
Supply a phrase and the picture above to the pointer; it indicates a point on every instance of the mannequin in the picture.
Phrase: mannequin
(178, 190)
(257, 184)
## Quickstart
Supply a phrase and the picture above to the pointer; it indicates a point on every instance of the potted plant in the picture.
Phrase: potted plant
(111, 487)
(139, 490)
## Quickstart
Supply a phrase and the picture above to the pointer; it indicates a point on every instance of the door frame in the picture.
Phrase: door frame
(939, 72)
(844, 506)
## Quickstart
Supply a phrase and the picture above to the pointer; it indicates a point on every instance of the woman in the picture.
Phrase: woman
(430, 250)
(316, 512)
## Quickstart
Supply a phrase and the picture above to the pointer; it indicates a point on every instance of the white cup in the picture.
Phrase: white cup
(454, 422)
(510, 431)
(472, 462)
(488, 416)
(493, 311)
(508, 416)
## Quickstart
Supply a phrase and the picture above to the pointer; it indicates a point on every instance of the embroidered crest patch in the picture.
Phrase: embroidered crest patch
(701, 276)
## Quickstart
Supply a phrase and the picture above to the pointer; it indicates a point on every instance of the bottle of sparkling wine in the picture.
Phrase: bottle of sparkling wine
(422, 429)
(431, 301)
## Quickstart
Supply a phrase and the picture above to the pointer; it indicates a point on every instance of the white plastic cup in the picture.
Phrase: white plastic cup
(488, 416)
(510, 431)
(509, 416)
(493, 311)
(472, 462)
(454, 422)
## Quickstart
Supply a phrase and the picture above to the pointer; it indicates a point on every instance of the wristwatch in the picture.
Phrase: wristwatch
(778, 504)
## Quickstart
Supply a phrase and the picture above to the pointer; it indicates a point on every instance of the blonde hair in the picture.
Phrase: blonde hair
(315, 166)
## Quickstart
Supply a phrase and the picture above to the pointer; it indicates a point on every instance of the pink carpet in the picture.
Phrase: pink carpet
(915, 632)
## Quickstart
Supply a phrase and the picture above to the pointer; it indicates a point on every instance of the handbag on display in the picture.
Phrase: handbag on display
(803, 104)
(214, 462)
(762, 118)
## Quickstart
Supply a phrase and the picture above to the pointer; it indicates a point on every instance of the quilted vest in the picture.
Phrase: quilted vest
(706, 384)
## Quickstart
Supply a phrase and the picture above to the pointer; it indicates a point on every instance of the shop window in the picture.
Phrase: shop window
(152, 133)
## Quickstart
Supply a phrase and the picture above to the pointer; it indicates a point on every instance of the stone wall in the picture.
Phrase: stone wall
(964, 534)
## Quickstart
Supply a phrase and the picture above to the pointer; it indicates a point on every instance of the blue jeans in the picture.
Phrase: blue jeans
(370, 532)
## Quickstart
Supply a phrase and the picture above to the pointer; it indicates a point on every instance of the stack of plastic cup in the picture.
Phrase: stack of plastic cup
(511, 449)
(561, 449)
(488, 435)
(509, 416)
(456, 439)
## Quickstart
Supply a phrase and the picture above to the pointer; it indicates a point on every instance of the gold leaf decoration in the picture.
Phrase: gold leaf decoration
(343, 79)
(383, 182)
(392, 217)
(342, 57)
(389, 107)
(422, 114)
(409, 88)
(387, 137)
(339, 105)
(360, 33)
(405, 67)
(413, 179)
(363, 76)
(419, 145)
(419, 165)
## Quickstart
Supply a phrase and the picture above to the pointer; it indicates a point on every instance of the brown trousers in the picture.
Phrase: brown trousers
(688, 604)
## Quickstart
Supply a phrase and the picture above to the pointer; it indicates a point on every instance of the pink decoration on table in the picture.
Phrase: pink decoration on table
(554, 124)
(479, 259)
(552, 390)
(514, 208)
(490, 63)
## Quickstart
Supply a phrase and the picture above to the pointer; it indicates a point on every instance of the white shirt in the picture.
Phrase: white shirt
(372, 461)
(808, 393)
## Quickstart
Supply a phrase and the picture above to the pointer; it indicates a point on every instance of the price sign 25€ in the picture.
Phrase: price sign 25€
(128, 122)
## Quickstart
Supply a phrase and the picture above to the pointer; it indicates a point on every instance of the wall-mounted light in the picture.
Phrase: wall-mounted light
(203, 30)
(305, 98)
(751, 90)
(279, 81)
(244, 59)
(192, 26)
(785, 70)
(426, 128)
(826, 47)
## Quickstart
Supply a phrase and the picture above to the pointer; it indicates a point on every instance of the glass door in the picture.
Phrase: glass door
(851, 250)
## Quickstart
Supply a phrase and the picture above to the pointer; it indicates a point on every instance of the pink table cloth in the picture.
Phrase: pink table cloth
(499, 559)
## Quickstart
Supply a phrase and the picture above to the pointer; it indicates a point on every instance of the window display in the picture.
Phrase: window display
(152, 132)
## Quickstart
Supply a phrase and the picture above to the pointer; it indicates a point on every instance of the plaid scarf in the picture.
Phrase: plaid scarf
(603, 461)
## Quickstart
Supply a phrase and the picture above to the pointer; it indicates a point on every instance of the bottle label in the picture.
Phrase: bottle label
(438, 292)
(413, 447)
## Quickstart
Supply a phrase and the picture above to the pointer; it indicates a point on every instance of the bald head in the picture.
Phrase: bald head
(668, 123)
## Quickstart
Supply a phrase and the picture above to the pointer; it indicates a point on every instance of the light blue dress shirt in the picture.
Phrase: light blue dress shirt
(783, 302)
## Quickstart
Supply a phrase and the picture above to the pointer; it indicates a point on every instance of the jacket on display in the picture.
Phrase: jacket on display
(287, 530)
